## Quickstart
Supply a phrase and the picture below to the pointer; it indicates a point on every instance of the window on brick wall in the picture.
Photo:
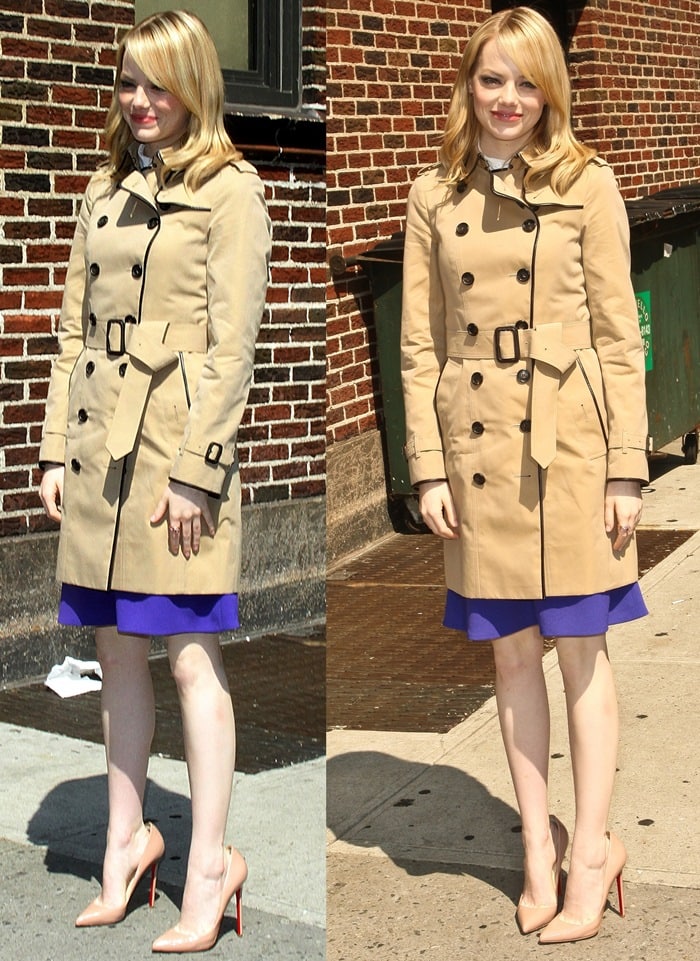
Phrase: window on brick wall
(259, 46)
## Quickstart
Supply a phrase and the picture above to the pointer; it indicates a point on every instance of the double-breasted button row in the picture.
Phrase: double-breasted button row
(477, 378)
(522, 276)
(82, 415)
(75, 465)
(523, 376)
(136, 270)
(103, 221)
(461, 229)
(478, 428)
(479, 479)
(529, 225)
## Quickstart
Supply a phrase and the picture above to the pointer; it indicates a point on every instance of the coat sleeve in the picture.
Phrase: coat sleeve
(71, 338)
(614, 325)
(238, 253)
(423, 340)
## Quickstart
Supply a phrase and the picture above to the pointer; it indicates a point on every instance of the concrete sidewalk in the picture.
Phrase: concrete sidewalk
(424, 856)
(52, 828)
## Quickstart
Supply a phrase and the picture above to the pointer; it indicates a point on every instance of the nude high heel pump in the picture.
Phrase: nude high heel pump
(98, 913)
(177, 942)
(532, 917)
(566, 929)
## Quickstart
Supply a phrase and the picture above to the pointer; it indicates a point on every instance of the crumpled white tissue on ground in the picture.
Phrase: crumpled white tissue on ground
(71, 677)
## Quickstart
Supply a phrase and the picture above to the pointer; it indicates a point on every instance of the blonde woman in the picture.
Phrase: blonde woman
(163, 299)
(526, 429)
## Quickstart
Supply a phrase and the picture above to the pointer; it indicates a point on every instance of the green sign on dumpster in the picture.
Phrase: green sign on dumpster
(644, 316)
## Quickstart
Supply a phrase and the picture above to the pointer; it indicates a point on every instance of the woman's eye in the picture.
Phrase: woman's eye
(529, 85)
(126, 84)
(490, 81)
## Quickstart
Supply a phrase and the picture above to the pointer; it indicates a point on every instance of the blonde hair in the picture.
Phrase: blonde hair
(175, 51)
(526, 38)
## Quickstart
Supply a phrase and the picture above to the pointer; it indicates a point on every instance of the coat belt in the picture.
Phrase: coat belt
(151, 347)
(552, 348)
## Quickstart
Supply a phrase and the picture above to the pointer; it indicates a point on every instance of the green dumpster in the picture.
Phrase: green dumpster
(665, 248)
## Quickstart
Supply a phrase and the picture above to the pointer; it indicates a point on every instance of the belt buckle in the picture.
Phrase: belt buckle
(497, 344)
(122, 337)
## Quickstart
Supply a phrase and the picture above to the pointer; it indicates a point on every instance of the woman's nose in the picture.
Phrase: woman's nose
(140, 98)
(509, 93)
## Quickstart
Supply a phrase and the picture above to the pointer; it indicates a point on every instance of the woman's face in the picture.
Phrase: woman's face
(154, 116)
(506, 104)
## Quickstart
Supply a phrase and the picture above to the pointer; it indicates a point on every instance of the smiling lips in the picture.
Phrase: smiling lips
(503, 115)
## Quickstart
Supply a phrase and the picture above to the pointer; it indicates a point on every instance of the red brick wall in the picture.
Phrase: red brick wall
(390, 72)
(390, 69)
(56, 60)
(636, 66)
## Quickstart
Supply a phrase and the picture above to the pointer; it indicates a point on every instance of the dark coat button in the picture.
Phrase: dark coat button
(75, 465)
(122, 370)
(477, 379)
(136, 271)
(103, 221)
(525, 426)
(523, 275)
(467, 278)
(461, 187)
(479, 480)
(129, 319)
(92, 319)
(477, 427)
(522, 376)
(529, 226)
(82, 415)
(90, 368)
(472, 330)
(462, 229)
(94, 270)
(521, 325)
(153, 223)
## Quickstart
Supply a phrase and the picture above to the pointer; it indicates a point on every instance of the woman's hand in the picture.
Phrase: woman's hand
(437, 508)
(51, 491)
(186, 508)
(623, 508)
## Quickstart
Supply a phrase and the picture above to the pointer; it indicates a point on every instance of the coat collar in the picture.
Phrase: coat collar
(173, 191)
(510, 182)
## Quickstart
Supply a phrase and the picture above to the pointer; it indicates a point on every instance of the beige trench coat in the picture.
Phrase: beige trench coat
(523, 375)
(163, 300)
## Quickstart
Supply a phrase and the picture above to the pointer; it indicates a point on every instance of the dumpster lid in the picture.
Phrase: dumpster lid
(664, 204)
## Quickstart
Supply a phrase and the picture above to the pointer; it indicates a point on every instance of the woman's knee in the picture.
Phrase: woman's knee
(518, 654)
(193, 664)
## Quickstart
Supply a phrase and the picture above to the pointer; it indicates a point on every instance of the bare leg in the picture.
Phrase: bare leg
(210, 748)
(128, 720)
(593, 737)
(523, 710)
